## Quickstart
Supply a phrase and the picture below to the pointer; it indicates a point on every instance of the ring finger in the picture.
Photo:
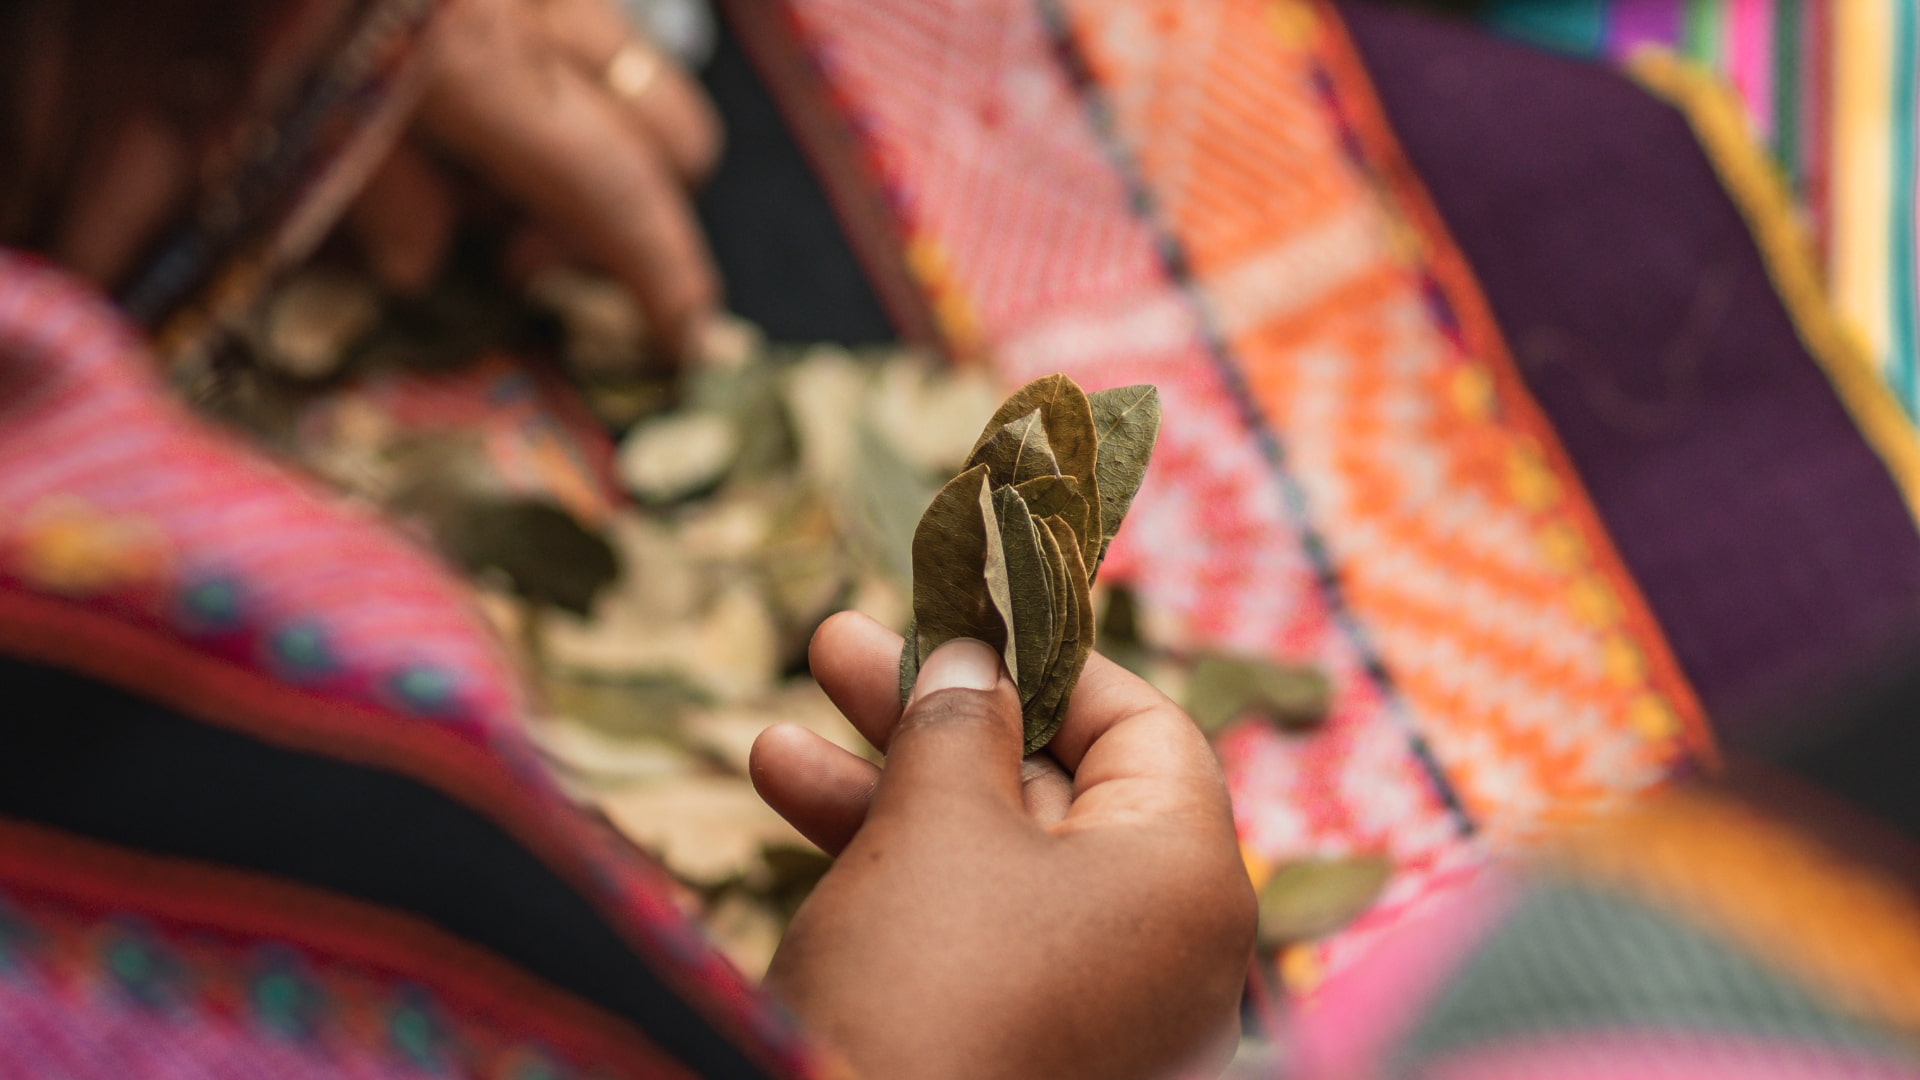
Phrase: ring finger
(666, 105)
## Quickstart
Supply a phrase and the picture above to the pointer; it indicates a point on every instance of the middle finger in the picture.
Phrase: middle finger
(667, 106)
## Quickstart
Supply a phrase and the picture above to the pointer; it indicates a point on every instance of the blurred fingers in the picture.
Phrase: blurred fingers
(663, 102)
(547, 135)
(404, 220)
(130, 191)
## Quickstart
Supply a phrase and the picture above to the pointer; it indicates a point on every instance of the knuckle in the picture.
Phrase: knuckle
(955, 710)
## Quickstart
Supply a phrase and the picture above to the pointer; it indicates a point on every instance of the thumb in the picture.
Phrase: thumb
(958, 744)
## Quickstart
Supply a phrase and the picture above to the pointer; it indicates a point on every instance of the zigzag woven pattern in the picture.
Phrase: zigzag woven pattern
(1349, 472)
(1446, 518)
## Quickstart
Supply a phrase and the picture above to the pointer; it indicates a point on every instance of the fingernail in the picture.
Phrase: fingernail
(960, 664)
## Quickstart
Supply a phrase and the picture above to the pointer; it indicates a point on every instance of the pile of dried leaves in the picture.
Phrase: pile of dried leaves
(762, 488)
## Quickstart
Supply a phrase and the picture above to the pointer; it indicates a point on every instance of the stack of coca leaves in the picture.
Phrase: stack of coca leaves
(1008, 550)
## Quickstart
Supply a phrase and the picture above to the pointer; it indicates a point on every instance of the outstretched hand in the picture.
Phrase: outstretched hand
(1082, 912)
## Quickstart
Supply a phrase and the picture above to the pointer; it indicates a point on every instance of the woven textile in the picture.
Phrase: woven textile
(1696, 937)
(1448, 414)
(1351, 471)
(248, 675)
(1755, 474)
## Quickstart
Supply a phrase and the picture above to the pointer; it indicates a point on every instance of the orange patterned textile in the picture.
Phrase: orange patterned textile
(1207, 197)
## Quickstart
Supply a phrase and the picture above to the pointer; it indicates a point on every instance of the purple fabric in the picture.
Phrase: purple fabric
(1642, 22)
(1768, 538)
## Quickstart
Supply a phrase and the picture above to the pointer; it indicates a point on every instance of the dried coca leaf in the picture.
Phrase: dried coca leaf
(1017, 452)
(1048, 495)
(673, 457)
(1049, 708)
(1223, 689)
(605, 761)
(951, 597)
(881, 505)
(1017, 570)
(548, 556)
(909, 661)
(729, 647)
(931, 413)
(706, 829)
(1057, 590)
(314, 320)
(1030, 584)
(1082, 515)
(1067, 417)
(603, 328)
(1125, 422)
(1314, 897)
(999, 581)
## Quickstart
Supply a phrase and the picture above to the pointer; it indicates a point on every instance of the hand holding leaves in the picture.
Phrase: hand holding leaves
(1008, 550)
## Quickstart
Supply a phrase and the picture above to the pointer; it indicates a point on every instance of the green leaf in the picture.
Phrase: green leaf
(881, 504)
(1126, 420)
(1225, 688)
(1049, 708)
(550, 557)
(951, 595)
(1030, 582)
(1314, 897)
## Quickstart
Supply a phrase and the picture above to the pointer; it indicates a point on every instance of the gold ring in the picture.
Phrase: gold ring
(631, 72)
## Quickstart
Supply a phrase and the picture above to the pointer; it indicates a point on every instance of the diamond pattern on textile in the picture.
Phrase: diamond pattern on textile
(1440, 511)
(983, 151)
(1211, 548)
(1202, 217)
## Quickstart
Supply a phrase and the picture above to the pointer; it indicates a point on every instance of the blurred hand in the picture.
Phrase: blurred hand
(519, 93)
(1083, 913)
